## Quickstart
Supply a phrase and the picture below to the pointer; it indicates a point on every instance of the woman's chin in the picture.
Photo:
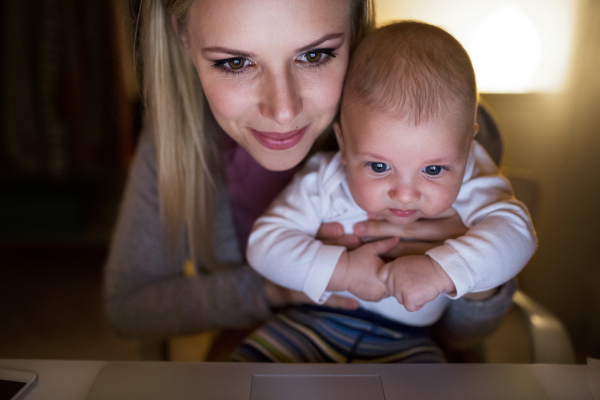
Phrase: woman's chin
(279, 162)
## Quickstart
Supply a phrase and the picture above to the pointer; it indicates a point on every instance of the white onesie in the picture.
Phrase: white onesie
(500, 240)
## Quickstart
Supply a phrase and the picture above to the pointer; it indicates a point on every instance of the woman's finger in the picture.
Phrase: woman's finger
(332, 233)
(347, 303)
(382, 246)
(350, 242)
(330, 230)
(424, 229)
(406, 248)
(280, 297)
(342, 302)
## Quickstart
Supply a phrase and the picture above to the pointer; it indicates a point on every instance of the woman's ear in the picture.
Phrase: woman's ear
(183, 36)
(340, 139)
(475, 130)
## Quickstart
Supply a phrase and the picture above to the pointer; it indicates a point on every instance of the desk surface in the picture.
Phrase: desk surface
(58, 379)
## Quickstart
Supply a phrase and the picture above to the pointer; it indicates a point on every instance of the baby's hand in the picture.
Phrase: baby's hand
(415, 280)
(356, 271)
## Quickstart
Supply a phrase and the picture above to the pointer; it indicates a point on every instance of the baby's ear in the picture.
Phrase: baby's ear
(340, 138)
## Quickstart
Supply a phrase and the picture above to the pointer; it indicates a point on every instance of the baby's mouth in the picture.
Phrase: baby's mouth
(402, 213)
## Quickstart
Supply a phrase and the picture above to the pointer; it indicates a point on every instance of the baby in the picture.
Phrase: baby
(407, 152)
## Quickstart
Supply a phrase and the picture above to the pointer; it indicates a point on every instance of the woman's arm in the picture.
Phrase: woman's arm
(146, 292)
(467, 322)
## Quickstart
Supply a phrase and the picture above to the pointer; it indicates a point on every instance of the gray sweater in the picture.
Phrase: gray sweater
(147, 294)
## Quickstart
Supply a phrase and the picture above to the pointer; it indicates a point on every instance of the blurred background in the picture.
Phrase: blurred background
(70, 115)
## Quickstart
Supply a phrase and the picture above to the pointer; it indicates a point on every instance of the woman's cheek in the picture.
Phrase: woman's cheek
(225, 102)
(325, 91)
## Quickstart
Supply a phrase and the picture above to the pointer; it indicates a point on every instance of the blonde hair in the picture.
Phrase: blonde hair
(184, 129)
(414, 71)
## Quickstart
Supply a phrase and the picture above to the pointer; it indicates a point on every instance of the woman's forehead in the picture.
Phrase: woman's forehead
(235, 23)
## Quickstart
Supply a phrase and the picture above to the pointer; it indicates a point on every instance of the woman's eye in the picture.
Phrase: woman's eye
(378, 167)
(236, 63)
(233, 65)
(314, 56)
(317, 57)
(433, 169)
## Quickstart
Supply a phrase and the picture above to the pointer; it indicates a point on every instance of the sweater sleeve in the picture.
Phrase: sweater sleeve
(500, 240)
(282, 246)
(147, 294)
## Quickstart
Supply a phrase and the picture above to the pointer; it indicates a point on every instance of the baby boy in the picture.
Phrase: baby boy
(407, 152)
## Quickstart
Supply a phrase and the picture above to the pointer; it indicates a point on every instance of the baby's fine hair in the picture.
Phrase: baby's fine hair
(413, 71)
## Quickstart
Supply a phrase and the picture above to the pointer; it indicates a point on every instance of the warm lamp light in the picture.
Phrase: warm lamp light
(516, 47)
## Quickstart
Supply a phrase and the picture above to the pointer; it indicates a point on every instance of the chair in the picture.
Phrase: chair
(529, 334)
(544, 337)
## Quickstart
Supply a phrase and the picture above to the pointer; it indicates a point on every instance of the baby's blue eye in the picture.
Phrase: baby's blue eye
(379, 167)
(433, 169)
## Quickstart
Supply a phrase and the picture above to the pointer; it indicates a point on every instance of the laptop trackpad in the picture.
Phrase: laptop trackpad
(316, 387)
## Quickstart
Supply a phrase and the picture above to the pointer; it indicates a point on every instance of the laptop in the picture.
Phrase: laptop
(254, 381)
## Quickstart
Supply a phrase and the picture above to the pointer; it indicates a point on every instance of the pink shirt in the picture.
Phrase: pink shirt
(251, 187)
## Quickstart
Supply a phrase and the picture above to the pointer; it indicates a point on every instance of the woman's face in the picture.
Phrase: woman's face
(272, 70)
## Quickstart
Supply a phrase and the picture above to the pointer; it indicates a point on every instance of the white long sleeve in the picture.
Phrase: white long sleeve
(282, 245)
(501, 238)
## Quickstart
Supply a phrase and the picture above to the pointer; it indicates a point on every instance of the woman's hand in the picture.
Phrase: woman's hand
(280, 297)
(332, 233)
(423, 234)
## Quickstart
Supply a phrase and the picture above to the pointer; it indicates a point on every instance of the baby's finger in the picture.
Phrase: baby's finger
(383, 272)
(384, 245)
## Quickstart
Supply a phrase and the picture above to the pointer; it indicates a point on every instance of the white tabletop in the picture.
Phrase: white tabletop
(60, 379)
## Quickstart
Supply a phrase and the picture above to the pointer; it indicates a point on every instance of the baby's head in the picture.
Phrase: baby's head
(407, 121)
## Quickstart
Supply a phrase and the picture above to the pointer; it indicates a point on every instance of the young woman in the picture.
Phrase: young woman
(237, 94)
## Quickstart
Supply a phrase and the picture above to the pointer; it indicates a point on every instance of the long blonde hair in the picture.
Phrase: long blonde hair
(183, 127)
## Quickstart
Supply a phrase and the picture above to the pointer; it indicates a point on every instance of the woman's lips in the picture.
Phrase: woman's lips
(279, 141)
(402, 213)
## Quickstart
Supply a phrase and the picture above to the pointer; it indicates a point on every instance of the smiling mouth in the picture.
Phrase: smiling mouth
(402, 213)
(279, 140)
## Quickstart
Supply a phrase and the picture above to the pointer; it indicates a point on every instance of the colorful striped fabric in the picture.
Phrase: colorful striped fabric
(314, 334)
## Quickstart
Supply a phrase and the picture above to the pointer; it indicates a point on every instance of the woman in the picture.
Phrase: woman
(237, 93)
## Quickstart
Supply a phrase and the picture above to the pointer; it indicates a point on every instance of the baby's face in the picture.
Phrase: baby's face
(400, 172)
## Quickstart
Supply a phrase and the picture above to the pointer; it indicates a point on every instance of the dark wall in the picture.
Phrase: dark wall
(556, 137)
(67, 120)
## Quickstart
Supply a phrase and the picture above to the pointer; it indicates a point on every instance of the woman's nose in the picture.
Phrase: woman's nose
(405, 192)
(281, 100)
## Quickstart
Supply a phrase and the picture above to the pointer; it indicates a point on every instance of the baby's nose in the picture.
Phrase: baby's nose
(405, 193)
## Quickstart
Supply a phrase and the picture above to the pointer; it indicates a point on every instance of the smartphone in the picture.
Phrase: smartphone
(14, 383)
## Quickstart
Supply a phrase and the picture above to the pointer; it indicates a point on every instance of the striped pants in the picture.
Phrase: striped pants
(314, 334)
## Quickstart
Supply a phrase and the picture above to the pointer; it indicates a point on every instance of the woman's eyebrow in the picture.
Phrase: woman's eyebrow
(233, 52)
(239, 53)
(317, 42)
